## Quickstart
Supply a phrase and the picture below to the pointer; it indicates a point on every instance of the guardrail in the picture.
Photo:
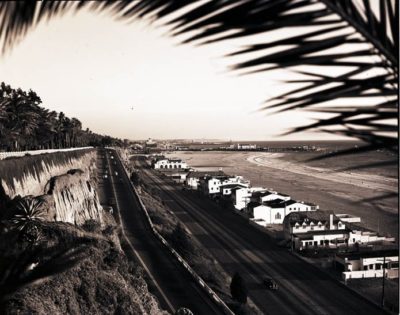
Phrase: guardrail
(210, 292)
(4, 155)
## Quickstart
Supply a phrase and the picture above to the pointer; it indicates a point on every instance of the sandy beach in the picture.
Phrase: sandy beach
(362, 180)
(357, 193)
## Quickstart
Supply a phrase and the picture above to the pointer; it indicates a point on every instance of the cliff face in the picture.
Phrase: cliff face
(65, 183)
(29, 175)
(72, 198)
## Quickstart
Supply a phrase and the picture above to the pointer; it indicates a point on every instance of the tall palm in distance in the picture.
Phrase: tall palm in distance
(344, 54)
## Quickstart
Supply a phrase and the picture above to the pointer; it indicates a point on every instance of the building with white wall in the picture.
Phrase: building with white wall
(370, 264)
(169, 164)
(193, 178)
(315, 229)
(274, 211)
(306, 222)
(210, 185)
(241, 197)
(362, 236)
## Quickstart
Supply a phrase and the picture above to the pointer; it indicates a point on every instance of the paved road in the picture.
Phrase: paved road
(167, 279)
(303, 289)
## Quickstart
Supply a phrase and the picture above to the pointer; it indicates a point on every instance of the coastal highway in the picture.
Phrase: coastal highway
(167, 279)
(238, 246)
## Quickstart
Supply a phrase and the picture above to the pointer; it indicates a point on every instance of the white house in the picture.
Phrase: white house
(193, 178)
(369, 264)
(226, 189)
(306, 222)
(210, 185)
(315, 229)
(274, 211)
(241, 197)
(367, 237)
(327, 238)
(169, 164)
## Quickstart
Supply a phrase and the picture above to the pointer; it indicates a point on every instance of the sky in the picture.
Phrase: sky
(132, 81)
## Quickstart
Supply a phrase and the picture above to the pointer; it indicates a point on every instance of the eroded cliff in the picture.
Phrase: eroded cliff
(64, 182)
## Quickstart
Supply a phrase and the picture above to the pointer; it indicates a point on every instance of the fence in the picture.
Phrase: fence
(199, 280)
(4, 155)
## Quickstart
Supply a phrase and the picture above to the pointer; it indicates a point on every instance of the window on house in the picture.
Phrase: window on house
(278, 216)
(365, 267)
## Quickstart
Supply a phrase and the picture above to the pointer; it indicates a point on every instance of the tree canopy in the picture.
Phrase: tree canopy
(24, 124)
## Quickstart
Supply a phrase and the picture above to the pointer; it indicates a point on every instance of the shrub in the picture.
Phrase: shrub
(238, 289)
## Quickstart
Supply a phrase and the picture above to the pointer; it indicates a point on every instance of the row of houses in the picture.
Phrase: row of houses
(304, 225)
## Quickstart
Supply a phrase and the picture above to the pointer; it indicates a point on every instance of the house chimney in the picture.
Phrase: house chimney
(331, 221)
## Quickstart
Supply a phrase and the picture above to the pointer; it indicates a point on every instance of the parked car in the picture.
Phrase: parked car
(270, 284)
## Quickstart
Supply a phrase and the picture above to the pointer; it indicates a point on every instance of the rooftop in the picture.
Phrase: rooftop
(236, 185)
(197, 174)
(313, 216)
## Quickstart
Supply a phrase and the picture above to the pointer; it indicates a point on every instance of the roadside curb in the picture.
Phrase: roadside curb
(185, 265)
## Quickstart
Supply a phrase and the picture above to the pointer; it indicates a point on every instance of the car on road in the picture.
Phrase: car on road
(270, 284)
(116, 173)
(105, 176)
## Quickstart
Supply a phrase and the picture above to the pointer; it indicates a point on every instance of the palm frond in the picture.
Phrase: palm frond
(351, 47)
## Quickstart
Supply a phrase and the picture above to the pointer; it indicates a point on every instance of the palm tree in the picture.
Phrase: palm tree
(337, 50)
(22, 116)
(76, 127)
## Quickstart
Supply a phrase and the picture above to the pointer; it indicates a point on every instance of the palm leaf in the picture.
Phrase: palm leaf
(325, 34)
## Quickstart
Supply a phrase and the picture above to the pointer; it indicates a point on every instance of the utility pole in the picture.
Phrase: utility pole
(383, 282)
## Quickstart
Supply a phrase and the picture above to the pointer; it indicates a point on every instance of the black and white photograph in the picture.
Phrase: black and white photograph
(199, 157)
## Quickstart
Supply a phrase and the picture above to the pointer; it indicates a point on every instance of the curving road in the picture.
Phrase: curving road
(167, 279)
(303, 289)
